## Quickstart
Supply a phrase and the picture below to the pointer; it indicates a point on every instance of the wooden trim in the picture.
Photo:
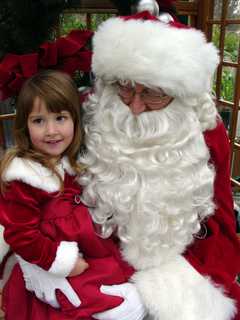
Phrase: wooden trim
(205, 12)
(90, 10)
(230, 64)
(7, 116)
(224, 103)
(235, 183)
(230, 21)
(236, 146)
(187, 8)
(105, 6)
(94, 4)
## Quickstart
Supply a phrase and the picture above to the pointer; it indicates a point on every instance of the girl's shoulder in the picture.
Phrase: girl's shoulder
(35, 174)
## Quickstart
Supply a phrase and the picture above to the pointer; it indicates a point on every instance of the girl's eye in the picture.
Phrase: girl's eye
(60, 118)
(38, 120)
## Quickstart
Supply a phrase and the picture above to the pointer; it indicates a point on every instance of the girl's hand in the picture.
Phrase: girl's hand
(80, 266)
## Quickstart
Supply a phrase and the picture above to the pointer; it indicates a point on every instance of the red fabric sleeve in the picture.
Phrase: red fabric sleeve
(218, 254)
(20, 215)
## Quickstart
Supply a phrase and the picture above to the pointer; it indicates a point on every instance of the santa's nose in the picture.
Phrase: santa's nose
(137, 105)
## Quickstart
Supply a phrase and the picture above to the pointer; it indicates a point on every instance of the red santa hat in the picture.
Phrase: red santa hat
(144, 49)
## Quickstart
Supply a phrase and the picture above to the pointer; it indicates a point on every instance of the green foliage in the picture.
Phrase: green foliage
(99, 18)
(227, 84)
(231, 45)
(69, 22)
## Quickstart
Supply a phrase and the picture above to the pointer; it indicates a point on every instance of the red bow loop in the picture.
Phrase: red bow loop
(14, 70)
(66, 54)
(29, 64)
(48, 55)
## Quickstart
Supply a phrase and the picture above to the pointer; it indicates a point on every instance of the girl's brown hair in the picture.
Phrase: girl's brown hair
(58, 91)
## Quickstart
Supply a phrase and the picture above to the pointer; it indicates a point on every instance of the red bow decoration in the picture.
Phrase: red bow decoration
(14, 69)
(67, 54)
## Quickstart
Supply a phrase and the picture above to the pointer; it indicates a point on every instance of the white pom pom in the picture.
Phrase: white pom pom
(148, 5)
(165, 17)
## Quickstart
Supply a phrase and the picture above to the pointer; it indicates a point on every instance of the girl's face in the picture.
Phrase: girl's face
(50, 133)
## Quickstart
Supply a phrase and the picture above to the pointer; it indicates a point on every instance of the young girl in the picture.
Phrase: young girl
(45, 222)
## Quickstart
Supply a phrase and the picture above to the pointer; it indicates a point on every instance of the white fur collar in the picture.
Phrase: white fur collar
(35, 174)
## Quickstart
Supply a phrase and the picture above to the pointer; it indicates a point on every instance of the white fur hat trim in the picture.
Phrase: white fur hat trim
(179, 60)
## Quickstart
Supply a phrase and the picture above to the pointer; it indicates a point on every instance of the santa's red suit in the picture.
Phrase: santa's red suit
(37, 218)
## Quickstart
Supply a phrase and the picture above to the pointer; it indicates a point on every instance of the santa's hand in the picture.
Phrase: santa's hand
(44, 284)
(131, 308)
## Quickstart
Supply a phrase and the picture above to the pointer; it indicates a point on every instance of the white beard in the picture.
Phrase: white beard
(148, 175)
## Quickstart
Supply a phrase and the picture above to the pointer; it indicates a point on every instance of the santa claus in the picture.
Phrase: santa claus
(158, 166)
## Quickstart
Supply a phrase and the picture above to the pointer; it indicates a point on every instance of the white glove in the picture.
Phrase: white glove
(131, 308)
(44, 284)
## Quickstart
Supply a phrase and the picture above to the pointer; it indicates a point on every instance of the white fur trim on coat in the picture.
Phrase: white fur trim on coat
(176, 290)
(180, 61)
(4, 247)
(35, 174)
(10, 263)
(66, 257)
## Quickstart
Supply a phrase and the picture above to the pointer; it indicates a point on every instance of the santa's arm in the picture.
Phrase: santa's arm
(202, 283)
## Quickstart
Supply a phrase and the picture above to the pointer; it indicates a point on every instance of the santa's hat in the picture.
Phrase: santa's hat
(146, 50)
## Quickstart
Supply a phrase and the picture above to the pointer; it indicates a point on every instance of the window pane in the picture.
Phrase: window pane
(231, 43)
(233, 9)
(216, 35)
(238, 128)
(7, 107)
(97, 18)
(236, 165)
(226, 114)
(214, 84)
(217, 13)
(71, 21)
(228, 83)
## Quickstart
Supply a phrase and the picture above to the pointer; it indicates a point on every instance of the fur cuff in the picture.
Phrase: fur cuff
(66, 257)
(177, 291)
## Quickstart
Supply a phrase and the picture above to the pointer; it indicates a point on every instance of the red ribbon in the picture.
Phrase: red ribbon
(67, 54)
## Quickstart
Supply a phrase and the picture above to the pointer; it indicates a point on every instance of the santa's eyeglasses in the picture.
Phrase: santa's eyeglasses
(153, 98)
